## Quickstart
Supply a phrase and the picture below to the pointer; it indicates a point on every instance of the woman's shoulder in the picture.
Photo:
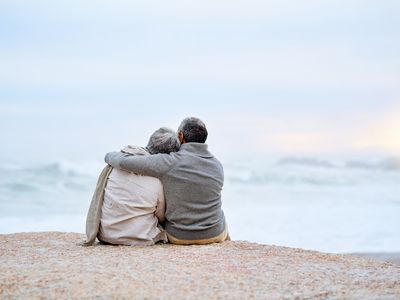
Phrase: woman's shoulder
(135, 150)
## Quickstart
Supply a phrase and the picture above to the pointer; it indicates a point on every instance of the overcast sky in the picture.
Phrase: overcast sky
(78, 78)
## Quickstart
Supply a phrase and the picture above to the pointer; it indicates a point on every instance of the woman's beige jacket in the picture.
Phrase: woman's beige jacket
(126, 208)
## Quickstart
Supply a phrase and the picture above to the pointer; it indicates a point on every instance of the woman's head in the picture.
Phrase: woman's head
(163, 140)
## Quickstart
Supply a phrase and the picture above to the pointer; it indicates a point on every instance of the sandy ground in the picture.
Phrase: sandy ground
(51, 265)
(393, 257)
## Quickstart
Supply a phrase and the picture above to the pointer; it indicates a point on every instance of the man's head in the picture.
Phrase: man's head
(192, 130)
(163, 140)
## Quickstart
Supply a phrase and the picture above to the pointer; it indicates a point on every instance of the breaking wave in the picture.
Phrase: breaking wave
(309, 171)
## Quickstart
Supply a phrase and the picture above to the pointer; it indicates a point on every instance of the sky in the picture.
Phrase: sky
(80, 78)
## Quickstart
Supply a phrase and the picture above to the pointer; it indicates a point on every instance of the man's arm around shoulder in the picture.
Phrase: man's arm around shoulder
(155, 165)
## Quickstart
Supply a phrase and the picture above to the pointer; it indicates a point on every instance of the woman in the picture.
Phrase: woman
(127, 208)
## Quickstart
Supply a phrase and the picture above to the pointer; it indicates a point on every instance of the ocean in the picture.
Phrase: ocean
(325, 205)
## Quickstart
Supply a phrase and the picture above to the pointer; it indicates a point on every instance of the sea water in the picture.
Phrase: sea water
(334, 206)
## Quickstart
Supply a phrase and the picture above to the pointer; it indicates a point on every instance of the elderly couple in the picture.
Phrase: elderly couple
(168, 191)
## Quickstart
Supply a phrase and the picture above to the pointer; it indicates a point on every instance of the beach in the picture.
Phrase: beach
(52, 265)
(299, 102)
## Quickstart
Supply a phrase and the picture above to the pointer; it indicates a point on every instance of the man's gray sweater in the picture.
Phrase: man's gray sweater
(192, 180)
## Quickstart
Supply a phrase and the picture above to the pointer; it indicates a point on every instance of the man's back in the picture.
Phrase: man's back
(193, 193)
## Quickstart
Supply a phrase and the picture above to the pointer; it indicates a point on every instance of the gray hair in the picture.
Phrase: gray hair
(163, 140)
(194, 130)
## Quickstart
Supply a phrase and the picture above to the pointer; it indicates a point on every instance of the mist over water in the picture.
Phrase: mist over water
(327, 205)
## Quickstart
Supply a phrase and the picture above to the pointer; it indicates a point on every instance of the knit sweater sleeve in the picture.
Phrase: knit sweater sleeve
(152, 165)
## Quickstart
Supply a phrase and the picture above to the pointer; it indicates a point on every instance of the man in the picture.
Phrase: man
(192, 180)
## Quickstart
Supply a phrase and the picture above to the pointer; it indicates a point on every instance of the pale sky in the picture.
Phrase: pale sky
(282, 77)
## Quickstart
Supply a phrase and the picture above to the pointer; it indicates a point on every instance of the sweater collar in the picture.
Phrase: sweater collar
(199, 149)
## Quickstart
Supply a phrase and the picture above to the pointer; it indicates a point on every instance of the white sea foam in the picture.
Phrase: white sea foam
(300, 202)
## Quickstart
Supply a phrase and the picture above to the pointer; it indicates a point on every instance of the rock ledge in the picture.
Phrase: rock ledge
(52, 265)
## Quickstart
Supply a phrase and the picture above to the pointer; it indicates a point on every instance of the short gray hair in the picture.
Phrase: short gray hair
(194, 130)
(163, 140)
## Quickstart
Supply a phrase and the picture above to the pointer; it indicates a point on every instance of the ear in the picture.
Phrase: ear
(181, 137)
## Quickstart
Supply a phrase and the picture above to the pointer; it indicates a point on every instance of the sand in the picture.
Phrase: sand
(393, 257)
(51, 265)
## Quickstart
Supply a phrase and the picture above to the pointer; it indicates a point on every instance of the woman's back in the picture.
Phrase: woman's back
(131, 208)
